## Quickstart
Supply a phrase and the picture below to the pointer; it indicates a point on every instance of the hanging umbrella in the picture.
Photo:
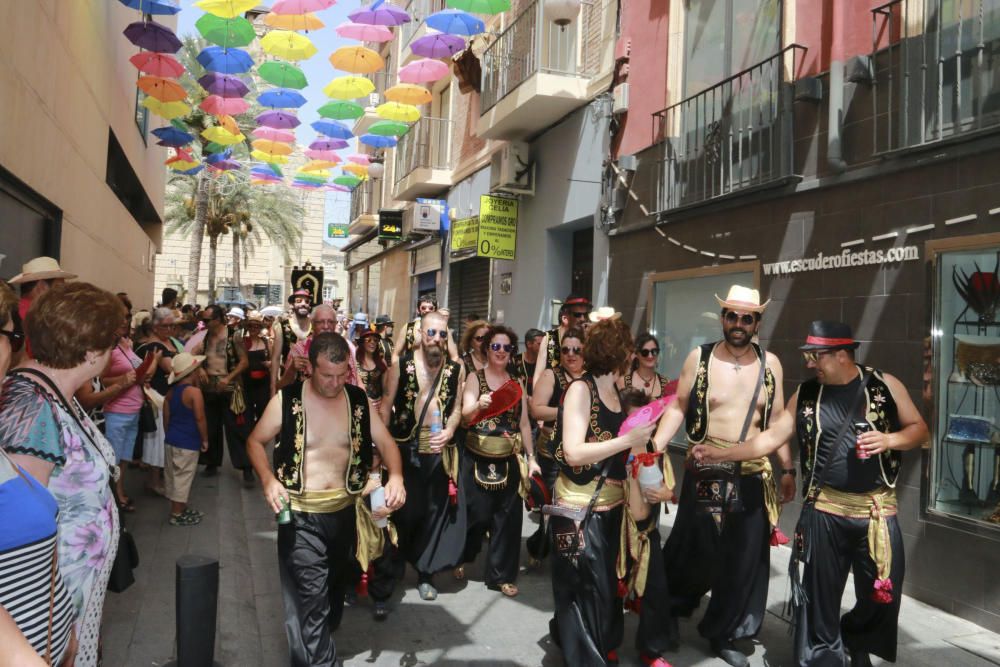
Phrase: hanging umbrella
(304, 22)
(356, 59)
(347, 179)
(282, 74)
(407, 93)
(288, 45)
(220, 156)
(267, 167)
(178, 164)
(226, 165)
(226, 9)
(281, 98)
(273, 134)
(380, 14)
(216, 105)
(165, 90)
(229, 123)
(272, 147)
(318, 176)
(168, 110)
(213, 147)
(222, 136)
(455, 22)
(403, 113)
(364, 32)
(338, 188)
(360, 158)
(226, 61)
(152, 36)
(319, 165)
(192, 172)
(267, 157)
(388, 128)
(328, 145)
(358, 170)
(305, 185)
(378, 141)
(423, 71)
(280, 120)
(226, 32)
(153, 7)
(480, 6)
(223, 85)
(300, 6)
(171, 136)
(157, 64)
(341, 110)
(316, 154)
(437, 45)
(349, 87)
(332, 129)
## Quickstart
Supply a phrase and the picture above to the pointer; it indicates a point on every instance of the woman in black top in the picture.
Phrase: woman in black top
(371, 366)
(257, 379)
(471, 347)
(643, 374)
(153, 336)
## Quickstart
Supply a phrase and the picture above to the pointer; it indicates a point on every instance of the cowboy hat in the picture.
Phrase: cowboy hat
(40, 268)
(183, 365)
(254, 316)
(236, 312)
(828, 335)
(383, 320)
(742, 298)
(604, 313)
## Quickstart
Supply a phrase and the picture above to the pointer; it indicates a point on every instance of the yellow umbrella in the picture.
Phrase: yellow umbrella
(358, 170)
(288, 45)
(183, 165)
(349, 87)
(318, 165)
(267, 157)
(272, 147)
(166, 110)
(317, 173)
(357, 60)
(221, 135)
(293, 21)
(408, 93)
(403, 113)
(227, 9)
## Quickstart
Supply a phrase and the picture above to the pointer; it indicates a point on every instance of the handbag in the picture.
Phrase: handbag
(147, 417)
(126, 560)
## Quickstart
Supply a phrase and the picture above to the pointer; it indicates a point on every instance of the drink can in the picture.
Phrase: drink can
(285, 515)
(859, 428)
(378, 502)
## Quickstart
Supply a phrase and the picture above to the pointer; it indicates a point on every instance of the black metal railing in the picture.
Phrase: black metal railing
(730, 137)
(366, 199)
(425, 146)
(935, 67)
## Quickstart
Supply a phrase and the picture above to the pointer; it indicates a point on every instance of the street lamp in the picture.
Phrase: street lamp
(376, 166)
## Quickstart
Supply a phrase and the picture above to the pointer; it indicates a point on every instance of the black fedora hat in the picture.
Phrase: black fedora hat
(383, 319)
(829, 335)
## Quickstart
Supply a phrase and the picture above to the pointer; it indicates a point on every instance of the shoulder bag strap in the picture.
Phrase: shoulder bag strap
(816, 483)
(752, 410)
(431, 393)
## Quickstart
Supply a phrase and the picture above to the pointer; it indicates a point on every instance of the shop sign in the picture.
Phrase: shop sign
(430, 215)
(497, 227)
(335, 231)
(390, 225)
(464, 234)
(845, 259)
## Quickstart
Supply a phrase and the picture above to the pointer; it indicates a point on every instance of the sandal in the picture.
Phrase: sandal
(459, 573)
(510, 590)
(184, 520)
(126, 506)
(190, 511)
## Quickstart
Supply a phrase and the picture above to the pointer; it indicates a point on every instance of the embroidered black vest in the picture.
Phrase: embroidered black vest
(603, 425)
(507, 422)
(559, 387)
(371, 380)
(552, 348)
(411, 336)
(403, 424)
(289, 450)
(627, 381)
(880, 413)
(697, 415)
(386, 348)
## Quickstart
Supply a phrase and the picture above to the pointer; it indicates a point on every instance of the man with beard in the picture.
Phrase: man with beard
(409, 335)
(423, 408)
(384, 326)
(289, 330)
(721, 538)
(572, 313)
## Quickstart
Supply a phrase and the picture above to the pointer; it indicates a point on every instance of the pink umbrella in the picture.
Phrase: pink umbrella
(317, 154)
(360, 158)
(274, 134)
(364, 32)
(423, 71)
(300, 6)
(224, 106)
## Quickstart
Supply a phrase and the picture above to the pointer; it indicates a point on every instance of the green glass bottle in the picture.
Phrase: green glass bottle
(285, 515)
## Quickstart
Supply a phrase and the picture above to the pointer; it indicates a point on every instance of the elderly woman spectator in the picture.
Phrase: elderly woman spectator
(153, 337)
(72, 329)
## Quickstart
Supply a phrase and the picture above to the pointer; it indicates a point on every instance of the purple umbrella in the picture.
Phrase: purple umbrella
(437, 45)
(280, 120)
(223, 85)
(380, 14)
(328, 145)
(338, 188)
(152, 36)
(227, 165)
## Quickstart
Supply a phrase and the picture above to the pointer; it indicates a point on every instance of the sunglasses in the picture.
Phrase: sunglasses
(579, 314)
(506, 347)
(571, 350)
(478, 339)
(746, 319)
(814, 355)
(16, 339)
(650, 353)
(442, 334)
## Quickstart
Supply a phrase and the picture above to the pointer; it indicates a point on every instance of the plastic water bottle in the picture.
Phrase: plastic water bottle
(650, 476)
(436, 421)
(378, 502)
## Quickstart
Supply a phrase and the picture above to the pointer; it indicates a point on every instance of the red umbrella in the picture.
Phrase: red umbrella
(157, 64)
(218, 106)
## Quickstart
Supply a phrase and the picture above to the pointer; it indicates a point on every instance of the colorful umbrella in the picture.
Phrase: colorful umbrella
(300, 6)
(455, 22)
(364, 33)
(273, 134)
(266, 157)
(226, 32)
(376, 14)
(359, 170)
(226, 9)
(403, 113)
(257, 180)
(180, 164)
(282, 74)
(349, 87)
(152, 36)
(327, 145)
(319, 165)
(157, 64)
(360, 158)
(223, 85)
(171, 136)
(388, 128)
(229, 123)
(378, 141)
(272, 147)
(318, 176)
(356, 59)
(480, 6)
(303, 22)
(332, 129)
(220, 156)
(280, 120)
(212, 147)
(222, 136)
(316, 154)
(168, 110)
(192, 172)
(281, 98)
(338, 188)
(226, 61)
(347, 179)
(423, 71)
(437, 45)
(288, 45)
(407, 93)
(226, 165)
(153, 7)
(165, 90)
(266, 167)
(217, 106)
(341, 110)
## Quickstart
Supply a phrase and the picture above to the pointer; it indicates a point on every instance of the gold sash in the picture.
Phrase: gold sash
(761, 466)
(371, 539)
(449, 454)
(569, 494)
(501, 447)
(877, 507)
(634, 543)
(541, 444)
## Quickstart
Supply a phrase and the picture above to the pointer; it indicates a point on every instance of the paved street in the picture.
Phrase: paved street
(468, 625)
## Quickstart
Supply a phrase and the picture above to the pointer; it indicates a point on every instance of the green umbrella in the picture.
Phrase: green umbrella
(348, 180)
(388, 128)
(341, 110)
(226, 32)
(213, 147)
(480, 6)
(309, 178)
(282, 74)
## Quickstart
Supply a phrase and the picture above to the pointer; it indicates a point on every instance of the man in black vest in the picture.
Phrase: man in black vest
(572, 313)
(320, 470)
(289, 330)
(384, 326)
(852, 422)
(721, 542)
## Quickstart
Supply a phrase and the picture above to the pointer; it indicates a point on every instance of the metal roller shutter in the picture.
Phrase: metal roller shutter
(469, 291)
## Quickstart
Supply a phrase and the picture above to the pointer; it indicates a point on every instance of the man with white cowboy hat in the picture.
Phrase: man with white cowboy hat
(36, 277)
(728, 391)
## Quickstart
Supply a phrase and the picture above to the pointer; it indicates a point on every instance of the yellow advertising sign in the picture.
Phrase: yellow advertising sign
(464, 234)
(497, 227)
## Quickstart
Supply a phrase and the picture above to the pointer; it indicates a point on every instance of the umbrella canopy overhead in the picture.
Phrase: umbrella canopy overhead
(280, 120)
(317, 154)
(265, 132)
(288, 45)
(157, 64)
(301, 6)
(167, 110)
(318, 176)
(328, 145)
(222, 136)
(165, 90)
(349, 87)
(357, 60)
(424, 70)
(339, 188)
(359, 170)
(272, 147)
(226, 32)
(378, 141)
(360, 158)
(267, 157)
(403, 113)
(364, 32)
(217, 105)
(171, 136)
(152, 36)
(319, 165)
(388, 128)
(455, 22)
(154, 7)
(303, 22)
(376, 14)
(341, 110)
(223, 85)
(281, 98)
(480, 6)
(332, 129)
(282, 74)
(437, 45)
(226, 9)
(225, 61)
(349, 180)
(407, 93)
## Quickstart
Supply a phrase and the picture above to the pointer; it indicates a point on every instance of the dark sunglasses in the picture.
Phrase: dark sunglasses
(746, 319)
(16, 339)
(442, 334)
(579, 314)
(814, 355)
(479, 338)
(506, 347)
(650, 353)
(571, 350)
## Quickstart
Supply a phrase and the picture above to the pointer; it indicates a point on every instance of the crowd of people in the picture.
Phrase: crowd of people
(426, 447)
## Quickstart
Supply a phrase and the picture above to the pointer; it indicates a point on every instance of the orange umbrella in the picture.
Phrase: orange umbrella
(229, 123)
(408, 93)
(356, 60)
(272, 147)
(318, 165)
(359, 170)
(293, 21)
(165, 90)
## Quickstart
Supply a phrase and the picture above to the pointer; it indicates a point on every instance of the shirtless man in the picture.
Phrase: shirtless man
(321, 466)
(287, 331)
(323, 318)
(719, 546)
(410, 334)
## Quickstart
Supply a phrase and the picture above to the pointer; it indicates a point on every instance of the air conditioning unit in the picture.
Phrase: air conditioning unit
(619, 103)
(511, 169)
(421, 219)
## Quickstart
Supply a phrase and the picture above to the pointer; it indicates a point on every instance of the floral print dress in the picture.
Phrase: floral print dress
(35, 424)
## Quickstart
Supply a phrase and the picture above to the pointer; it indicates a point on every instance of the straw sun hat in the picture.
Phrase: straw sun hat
(183, 365)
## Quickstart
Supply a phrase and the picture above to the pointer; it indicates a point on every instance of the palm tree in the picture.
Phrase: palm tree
(277, 213)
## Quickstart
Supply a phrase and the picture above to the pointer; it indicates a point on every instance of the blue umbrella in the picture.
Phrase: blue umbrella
(171, 136)
(332, 129)
(226, 61)
(266, 167)
(154, 7)
(219, 157)
(376, 141)
(455, 22)
(281, 98)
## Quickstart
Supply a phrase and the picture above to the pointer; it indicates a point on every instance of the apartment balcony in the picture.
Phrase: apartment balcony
(536, 72)
(935, 66)
(732, 138)
(415, 29)
(366, 199)
(382, 80)
(423, 160)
